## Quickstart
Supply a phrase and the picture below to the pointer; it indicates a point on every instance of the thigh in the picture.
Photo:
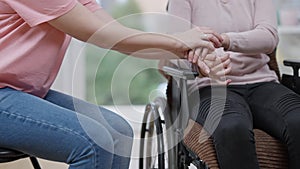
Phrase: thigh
(38, 127)
(119, 129)
(274, 107)
(223, 106)
(112, 121)
(229, 121)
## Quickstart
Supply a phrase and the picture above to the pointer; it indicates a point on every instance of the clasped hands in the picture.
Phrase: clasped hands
(211, 65)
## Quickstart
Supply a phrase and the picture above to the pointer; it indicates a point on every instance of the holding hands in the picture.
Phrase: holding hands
(194, 40)
(211, 65)
(198, 46)
(215, 67)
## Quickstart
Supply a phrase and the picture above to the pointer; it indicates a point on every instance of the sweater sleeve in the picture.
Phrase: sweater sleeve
(264, 37)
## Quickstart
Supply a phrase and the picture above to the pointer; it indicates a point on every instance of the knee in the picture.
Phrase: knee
(292, 129)
(124, 128)
(121, 127)
(122, 135)
(96, 133)
(90, 149)
(233, 132)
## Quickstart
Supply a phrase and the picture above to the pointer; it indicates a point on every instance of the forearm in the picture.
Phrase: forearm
(107, 33)
(127, 40)
(154, 54)
(259, 40)
(263, 36)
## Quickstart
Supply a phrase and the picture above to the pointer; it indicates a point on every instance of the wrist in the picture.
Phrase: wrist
(178, 47)
(226, 41)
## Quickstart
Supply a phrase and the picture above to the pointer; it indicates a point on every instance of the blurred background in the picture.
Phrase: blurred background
(107, 77)
(125, 84)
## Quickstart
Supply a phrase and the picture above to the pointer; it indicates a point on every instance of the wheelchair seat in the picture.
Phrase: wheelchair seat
(271, 153)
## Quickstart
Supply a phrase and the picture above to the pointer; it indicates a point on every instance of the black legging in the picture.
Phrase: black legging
(269, 106)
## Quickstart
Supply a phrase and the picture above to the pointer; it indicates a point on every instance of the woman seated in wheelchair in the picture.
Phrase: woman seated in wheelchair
(245, 32)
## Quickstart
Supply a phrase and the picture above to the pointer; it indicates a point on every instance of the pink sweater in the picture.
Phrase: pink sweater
(251, 26)
(31, 50)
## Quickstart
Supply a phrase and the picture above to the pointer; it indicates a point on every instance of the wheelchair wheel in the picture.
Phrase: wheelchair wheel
(152, 144)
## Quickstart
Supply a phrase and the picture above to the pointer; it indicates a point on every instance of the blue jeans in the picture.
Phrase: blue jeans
(64, 129)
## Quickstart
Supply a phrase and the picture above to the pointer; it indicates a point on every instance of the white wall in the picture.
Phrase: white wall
(71, 78)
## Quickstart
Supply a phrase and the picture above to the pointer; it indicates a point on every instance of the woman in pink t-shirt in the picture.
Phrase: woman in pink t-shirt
(254, 98)
(34, 36)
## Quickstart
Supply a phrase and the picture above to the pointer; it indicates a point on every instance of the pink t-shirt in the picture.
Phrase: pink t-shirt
(251, 26)
(31, 50)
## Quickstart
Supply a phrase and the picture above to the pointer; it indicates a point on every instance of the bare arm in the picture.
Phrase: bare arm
(102, 30)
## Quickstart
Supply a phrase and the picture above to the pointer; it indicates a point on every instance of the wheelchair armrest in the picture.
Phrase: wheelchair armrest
(295, 64)
(181, 73)
(292, 81)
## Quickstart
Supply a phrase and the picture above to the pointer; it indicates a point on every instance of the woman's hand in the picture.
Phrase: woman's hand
(194, 42)
(210, 35)
(226, 41)
(215, 67)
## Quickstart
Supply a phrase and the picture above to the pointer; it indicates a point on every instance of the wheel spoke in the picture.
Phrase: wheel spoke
(153, 153)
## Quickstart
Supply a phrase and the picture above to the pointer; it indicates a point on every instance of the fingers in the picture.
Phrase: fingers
(216, 35)
(212, 36)
(198, 53)
(222, 66)
(209, 60)
(220, 70)
(204, 69)
(219, 67)
(208, 30)
(219, 76)
(191, 55)
(209, 38)
(206, 44)
(224, 82)
(226, 41)
(204, 41)
(226, 63)
(204, 53)
(224, 57)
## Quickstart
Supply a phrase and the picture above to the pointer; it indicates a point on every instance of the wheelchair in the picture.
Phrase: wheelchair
(170, 139)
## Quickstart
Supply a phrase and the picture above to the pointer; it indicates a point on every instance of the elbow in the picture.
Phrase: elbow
(85, 37)
(272, 40)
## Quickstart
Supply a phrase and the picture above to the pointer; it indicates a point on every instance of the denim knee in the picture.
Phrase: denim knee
(121, 132)
(95, 151)
(123, 127)
(92, 156)
(117, 123)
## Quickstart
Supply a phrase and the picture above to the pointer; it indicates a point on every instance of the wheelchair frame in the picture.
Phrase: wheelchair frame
(173, 119)
(158, 115)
